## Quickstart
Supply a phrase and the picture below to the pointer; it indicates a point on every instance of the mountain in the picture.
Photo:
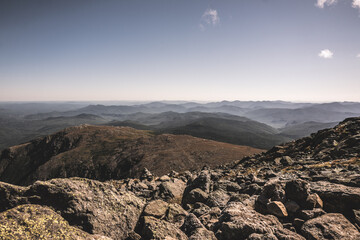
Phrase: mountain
(300, 130)
(248, 133)
(103, 153)
(214, 126)
(14, 131)
(302, 190)
(345, 107)
(280, 117)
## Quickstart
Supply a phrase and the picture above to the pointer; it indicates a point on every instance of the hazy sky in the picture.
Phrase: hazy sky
(297, 50)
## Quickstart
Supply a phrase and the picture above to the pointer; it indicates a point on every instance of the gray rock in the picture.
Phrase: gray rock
(337, 197)
(153, 228)
(266, 236)
(195, 195)
(156, 208)
(273, 191)
(309, 214)
(297, 190)
(87, 204)
(172, 190)
(203, 181)
(330, 226)
(218, 198)
(176, 214)
(239, 222)
(195, 229)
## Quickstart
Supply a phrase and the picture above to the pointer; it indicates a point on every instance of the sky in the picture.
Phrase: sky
(293, 50)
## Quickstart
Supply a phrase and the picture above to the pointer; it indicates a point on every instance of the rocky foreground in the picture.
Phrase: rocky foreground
(308, 189)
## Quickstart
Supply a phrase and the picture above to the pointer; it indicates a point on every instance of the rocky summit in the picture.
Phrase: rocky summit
(306, 189)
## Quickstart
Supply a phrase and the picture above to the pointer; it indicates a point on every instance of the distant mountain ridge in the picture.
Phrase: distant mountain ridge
(273, 113)
(21, 122)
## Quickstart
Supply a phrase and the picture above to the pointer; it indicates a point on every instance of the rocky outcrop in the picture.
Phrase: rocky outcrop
(39, 222)
(87, 204)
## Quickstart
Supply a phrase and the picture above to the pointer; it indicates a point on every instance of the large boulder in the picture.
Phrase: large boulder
(87, 204)
(172, 190)
(330, 226)
(337, 197)
(297, 190)
(38, 222)
(238, 221)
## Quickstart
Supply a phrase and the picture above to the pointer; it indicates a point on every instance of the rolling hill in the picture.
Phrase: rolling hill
(104, 152)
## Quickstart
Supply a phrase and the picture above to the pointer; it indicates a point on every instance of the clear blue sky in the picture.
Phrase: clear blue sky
(297, 50)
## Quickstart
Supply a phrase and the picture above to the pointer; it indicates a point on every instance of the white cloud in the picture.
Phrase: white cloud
(356, 4)
(209, 17)
(358, 56)
(326, 53)
(322, 3)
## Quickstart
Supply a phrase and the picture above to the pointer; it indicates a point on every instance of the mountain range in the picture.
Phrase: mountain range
(259, 124)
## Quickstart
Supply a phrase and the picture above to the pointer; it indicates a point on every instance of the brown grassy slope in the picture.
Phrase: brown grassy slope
(104, 152)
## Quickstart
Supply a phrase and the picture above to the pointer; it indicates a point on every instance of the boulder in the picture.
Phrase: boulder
(266, 236)
(195, 230)
(195, 195)
(297, 190)
(202, 234)
(330, 226)
(218, 198)
(172, 191)
(155, 229)
(273, 191)
(37, 222)
(238, 221)
(200, 209)
(87, 204)
(176, 214)
(156, 208)
(337, 197)
(203, 181)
